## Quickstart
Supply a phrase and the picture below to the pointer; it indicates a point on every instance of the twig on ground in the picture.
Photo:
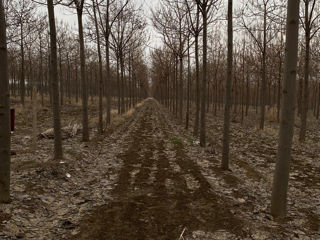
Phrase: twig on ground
(181, 235)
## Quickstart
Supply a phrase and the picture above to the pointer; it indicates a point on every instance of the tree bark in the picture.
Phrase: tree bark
(204, 79)
(196, 46)
(188, 86)
(281, 176)
(4, 114)
(108, 80)
(85, 127)
(305, 97)
(22, 74)
(100, 124)
(263, 77)
(54, 82)
(226, 123)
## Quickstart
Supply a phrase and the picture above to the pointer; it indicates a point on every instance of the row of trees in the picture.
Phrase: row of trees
(104, 58)
(246, 76)
(257, 53)
(119, 28)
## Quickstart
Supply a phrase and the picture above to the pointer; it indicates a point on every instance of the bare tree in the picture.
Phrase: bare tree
(100, 125)
(4, 113)
(310, 29)
(262, 36)
(58, 154)
(226, 126)
(20, 15)
(281, 176)
(79, 4)
(205, 6)
(195, 29)
(171, 21)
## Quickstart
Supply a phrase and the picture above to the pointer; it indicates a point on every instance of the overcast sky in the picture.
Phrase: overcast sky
(69, 16)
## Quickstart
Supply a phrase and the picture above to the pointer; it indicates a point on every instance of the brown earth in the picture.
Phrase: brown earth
(148, 178)
(152, 199)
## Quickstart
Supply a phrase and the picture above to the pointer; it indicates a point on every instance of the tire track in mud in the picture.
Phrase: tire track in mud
(151, 199)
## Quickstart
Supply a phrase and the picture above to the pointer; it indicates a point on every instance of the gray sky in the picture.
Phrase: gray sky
(69, 16)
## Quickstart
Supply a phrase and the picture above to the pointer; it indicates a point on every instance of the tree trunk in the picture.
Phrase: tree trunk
(263, 77)
(85, 127)
(226, 125)
(122, 111)
(54, 82)
(100, 124)
(281, 176)
(61, 76)
(188, 86)
(180, 84)
(305, 97)
(196, 122)
(22, 79)
(118, 86)
(4, 114)
(204, 80)
(279, 90)
(108, 81)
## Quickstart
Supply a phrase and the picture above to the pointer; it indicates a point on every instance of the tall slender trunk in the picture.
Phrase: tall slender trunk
(4, 114)
(22, 74)
(41, 71)
(188, 86)
(196, 46)
(204, 81)
(281, 175)
(118, 86)
(100, 124)
(263, 77)
(279, 89)
(54, 82)
(108, 81)
(305, 97)
(61, 77)
(180, 84)
(122, 83)
(226, 125)
(85, 127)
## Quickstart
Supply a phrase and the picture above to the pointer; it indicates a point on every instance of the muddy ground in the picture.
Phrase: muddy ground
(148, 178)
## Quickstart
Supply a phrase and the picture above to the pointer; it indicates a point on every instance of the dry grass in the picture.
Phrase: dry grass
(271, 114)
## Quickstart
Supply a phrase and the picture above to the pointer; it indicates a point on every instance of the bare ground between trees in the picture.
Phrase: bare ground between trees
(148, 179)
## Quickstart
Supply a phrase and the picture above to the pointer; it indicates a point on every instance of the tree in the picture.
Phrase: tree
(54, 82)
(171, 21)
(21, 14)
(106, 24)
(204, 6)
(79, 5)
(195, 29)
(100, 125)
(226, 126)
(310, 30)
(4, 113)
(126, 35)
(262, 36)
(281, 176)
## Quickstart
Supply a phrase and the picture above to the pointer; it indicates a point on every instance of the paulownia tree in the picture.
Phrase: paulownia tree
(281, 176)
(258, 18)
(309, 20)
(4, 113)
(54, 82)
(226, 126)
(205, 7)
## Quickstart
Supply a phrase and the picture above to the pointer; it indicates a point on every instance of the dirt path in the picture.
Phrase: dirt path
(160, 192)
